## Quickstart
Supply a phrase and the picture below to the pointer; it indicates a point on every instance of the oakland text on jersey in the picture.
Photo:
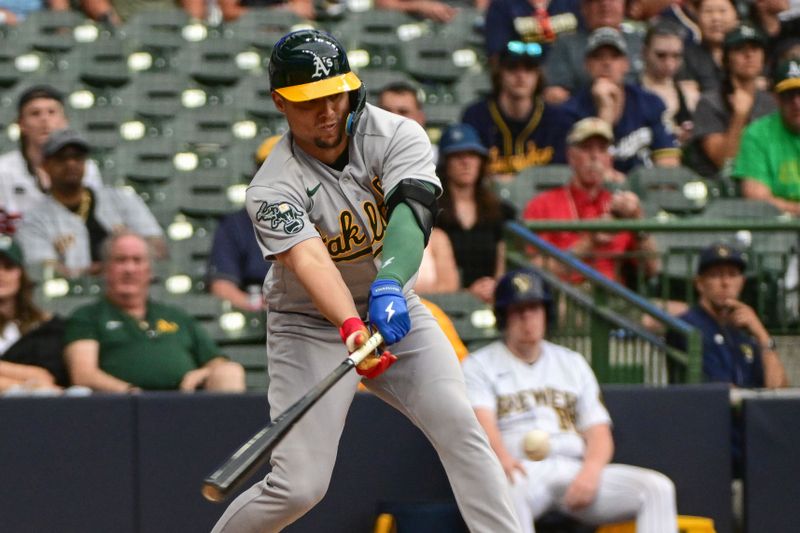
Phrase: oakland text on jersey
(562, 402)
(347, 245)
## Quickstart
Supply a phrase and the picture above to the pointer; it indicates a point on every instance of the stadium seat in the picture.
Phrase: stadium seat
(378, 33)
(213, 61)
(190, 256)
(262, 28)
(472, 318)
(253, 357)
(156, 96)
(472, 86)
(9, 73)
(207, 126)
(376, 79)
(429, 58)
(101, 126)
(155, 37)
(675, 190)
(101, 63)
(531, 181)
(50, 31)
(260, 119)
(738, 208)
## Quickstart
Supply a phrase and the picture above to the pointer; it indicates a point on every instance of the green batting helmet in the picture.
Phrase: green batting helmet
(308, 64)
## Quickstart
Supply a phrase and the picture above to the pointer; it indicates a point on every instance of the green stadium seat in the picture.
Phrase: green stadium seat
(253, 357)
(156, 96)
(377, 32)
(154, 38)
(49, 31)
(531, 181)
(262, 28)
(210, 127)
(259, 116)
(101, 126)
(429, 58)
(213, 61)
(101, 63)
(675, 190)
(738, 208)
(376, 79)
(472, 318)
(472, 86)
(190, 256)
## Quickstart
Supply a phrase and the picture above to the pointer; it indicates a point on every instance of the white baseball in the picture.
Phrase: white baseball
(536, 444)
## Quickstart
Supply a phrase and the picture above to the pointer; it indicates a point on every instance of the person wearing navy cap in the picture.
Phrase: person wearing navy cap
(737, 348)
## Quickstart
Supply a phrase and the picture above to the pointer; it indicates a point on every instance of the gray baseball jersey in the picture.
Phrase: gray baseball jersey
(559, 394)
(294, 197)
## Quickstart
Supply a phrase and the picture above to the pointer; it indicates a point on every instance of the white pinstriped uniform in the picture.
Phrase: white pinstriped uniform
(559, 394)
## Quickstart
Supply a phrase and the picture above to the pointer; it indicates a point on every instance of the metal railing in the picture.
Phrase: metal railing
(603, 320)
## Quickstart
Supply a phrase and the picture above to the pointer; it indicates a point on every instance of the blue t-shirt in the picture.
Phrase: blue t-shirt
(235, 254)
(514, 145)
(640, 132)
(730, 355)
(500, 15)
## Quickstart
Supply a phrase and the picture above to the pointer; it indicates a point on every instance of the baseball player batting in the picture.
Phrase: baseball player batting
(522, 387)
(344, 205)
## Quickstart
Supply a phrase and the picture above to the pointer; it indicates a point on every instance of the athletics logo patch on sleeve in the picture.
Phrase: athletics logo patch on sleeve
(281, 215)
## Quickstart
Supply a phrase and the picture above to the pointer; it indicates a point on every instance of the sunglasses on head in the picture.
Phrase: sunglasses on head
(528, 49)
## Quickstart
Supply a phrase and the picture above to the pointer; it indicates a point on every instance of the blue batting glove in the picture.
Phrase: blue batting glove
(388, 311)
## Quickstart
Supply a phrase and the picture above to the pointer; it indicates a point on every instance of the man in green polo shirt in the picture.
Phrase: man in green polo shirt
(768, 162)
(126, 341)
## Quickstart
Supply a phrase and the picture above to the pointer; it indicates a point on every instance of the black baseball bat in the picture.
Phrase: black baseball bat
(254, 453)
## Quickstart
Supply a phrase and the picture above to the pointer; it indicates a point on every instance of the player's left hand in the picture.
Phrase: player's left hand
(388, 310)
(583, 490)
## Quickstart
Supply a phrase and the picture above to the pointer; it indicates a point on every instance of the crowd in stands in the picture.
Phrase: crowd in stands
(599, 87)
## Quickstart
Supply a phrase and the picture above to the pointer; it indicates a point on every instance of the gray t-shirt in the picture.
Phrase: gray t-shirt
(294, 197)
(713, 116)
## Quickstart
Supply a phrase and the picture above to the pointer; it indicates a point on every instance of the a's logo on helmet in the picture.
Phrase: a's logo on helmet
(323, 66)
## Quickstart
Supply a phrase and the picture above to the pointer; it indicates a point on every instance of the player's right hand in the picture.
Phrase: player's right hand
(354, 333)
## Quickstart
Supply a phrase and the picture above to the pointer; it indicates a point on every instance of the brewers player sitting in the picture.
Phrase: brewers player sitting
(344, 205)
(527, 391)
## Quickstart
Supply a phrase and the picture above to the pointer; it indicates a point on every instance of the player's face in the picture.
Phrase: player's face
(128, 269)
(718, 284)
(590, 161)
(599, 13)
(664, 56)
(39, 118)
(607, 62)
(463, 169)
(716, 18)
(66, 167)
(317, 125)
(518, 80)
(525, 324)
(789, 102)
(746, 62)
(10, 278)
(402, 103)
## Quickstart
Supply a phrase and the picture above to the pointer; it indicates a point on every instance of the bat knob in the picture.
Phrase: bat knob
(212, 493)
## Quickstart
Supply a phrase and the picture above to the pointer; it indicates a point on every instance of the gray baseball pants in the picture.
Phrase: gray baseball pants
(425, 384)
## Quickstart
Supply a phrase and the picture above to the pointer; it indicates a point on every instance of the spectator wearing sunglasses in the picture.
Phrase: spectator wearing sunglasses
(518, 126)
(663, 58)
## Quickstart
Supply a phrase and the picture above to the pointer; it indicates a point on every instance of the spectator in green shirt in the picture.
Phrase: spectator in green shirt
(126, 342)
(768, 162)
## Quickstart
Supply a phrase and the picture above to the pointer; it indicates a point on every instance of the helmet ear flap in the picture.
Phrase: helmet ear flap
(358, 100)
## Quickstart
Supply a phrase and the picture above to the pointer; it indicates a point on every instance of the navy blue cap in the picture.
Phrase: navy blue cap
(721, 253)
(461, 138)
